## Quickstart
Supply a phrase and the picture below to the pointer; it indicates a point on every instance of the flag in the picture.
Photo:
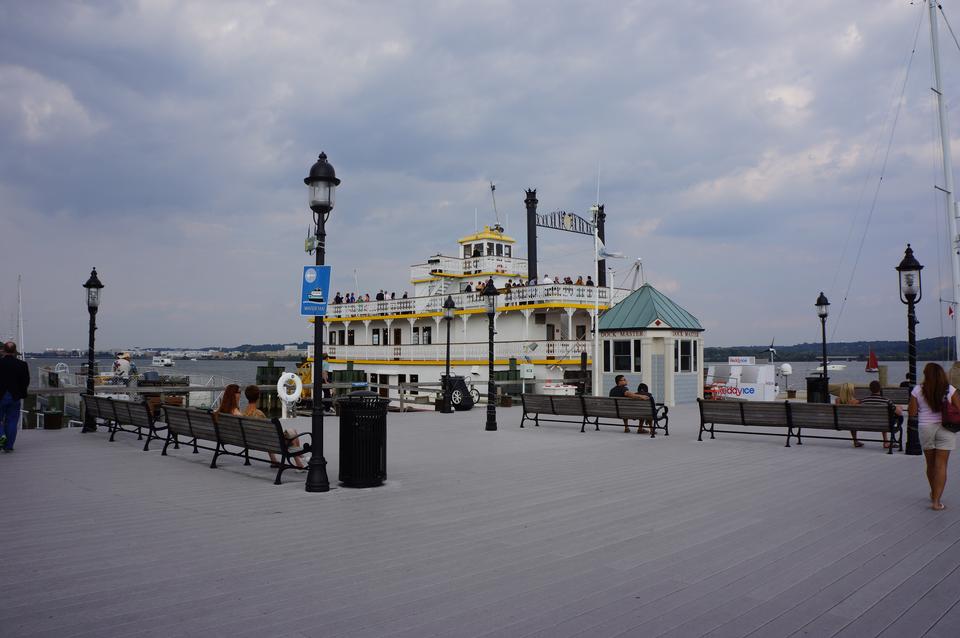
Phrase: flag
(603, 253)
(950, 311)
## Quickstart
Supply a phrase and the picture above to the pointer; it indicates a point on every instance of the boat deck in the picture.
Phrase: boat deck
(534, 532)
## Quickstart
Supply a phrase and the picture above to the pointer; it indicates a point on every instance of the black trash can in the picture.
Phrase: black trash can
(363, 439)
(460, 397)
(818, 390)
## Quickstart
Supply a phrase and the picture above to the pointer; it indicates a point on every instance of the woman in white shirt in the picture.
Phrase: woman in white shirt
(926, 405)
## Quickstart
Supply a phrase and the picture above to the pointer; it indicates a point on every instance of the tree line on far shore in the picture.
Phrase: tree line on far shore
(933, 349)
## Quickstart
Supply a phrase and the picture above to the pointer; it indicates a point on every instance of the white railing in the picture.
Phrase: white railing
(535, 350)
(548, 293)
(457, 266)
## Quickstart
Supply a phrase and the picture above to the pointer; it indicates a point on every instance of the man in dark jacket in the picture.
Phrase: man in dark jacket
(14, 379)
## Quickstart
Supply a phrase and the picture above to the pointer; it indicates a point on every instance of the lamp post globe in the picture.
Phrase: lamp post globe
(911, 291)
(322, 185)
(93, 287)
(911, 288)
(449, 306)
(490, 293)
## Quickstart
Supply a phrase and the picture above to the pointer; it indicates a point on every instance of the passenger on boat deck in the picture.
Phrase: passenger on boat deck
(620, 390)
(380, 296)
(469, 288)
(547, 280)
(393, 295)
(230, 401)
(366, 297)
(252, 393)
(404, 295)
(579, 281)
(532, 281)
(589, 281)
(337, 298)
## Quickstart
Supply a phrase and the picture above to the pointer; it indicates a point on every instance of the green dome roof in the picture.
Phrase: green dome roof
(643, 308)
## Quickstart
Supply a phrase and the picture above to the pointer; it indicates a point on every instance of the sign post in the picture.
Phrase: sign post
(314, 291)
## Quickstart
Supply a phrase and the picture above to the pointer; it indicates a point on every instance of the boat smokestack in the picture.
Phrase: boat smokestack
(602, 265)
(531, 204)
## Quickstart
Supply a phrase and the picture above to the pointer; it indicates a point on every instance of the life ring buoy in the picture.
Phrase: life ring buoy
(283, 387)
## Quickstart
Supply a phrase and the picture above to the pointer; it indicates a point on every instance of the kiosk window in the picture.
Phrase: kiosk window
(621, 356)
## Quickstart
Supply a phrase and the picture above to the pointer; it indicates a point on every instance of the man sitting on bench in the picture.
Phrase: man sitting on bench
(620, 391)
(876, 398)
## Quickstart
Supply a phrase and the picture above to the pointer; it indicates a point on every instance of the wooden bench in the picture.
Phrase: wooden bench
(246, 433)
(900, 396)
(796, 416)
(98, 408)
(746, 414)
(846, 418)
(643, 410)
(592, 409)
(537, 404)
(125, 416)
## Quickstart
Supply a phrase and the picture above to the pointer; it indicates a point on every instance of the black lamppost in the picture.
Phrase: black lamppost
(448, 307)
(823, 309)
(93, 287)
(321, 184)
(490, 293)
(910, 293)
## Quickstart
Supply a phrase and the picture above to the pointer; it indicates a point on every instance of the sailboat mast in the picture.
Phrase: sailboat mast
(947, 168)
(20, 345)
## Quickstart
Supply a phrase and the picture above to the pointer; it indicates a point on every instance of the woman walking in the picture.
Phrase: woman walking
(926, 405)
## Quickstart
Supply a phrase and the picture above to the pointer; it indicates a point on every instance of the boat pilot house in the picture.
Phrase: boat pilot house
(650, 339)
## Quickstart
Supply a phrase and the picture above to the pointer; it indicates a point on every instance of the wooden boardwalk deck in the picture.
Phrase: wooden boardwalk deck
(534, 532)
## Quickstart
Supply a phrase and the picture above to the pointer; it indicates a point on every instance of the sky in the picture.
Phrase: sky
(737, 145)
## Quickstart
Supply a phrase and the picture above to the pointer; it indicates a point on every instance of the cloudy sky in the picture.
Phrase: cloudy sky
(738, 146)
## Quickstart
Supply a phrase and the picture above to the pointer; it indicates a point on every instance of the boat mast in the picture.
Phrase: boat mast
(596, 364)
(947, 169)
(20, 346)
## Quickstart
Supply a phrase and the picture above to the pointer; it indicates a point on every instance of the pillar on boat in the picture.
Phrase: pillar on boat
(602, 264)
(531, 204)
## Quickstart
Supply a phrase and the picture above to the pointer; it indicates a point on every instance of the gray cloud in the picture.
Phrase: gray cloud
(165, 143)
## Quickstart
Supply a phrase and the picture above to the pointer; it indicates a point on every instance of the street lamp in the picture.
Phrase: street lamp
(910, 293)
(93, 287)
(448, 307)
(490, 293)
(823, 309)
(321, 184)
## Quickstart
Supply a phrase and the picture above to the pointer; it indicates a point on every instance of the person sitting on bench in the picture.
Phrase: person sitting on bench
(876, 398)
(643, 392)
(252, 393)
(620, 391)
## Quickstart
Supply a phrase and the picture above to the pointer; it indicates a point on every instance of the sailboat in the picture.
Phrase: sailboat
(872, 364)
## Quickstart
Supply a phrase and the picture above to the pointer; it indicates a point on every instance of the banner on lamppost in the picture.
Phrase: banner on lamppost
(314, 291)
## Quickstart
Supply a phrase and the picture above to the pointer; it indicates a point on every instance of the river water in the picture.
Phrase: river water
(244, 372)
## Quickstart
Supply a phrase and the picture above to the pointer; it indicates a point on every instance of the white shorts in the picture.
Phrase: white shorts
(937, 437)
